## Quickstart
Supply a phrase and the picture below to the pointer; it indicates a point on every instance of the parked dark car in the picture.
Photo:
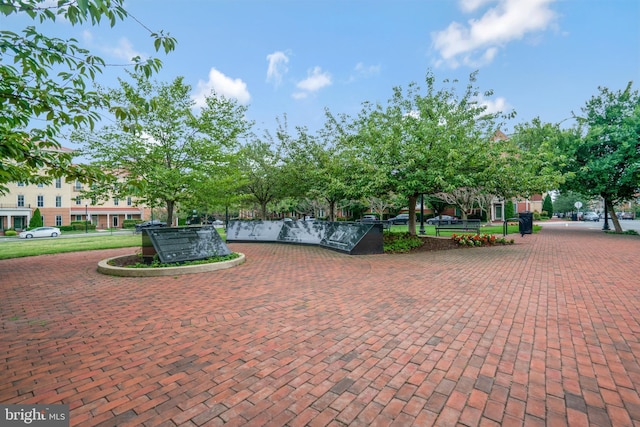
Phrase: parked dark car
(442, 219)
(149, 224)
(626, 215)
(400, 219)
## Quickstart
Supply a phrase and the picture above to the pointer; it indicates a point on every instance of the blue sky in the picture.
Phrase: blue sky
(542, 58)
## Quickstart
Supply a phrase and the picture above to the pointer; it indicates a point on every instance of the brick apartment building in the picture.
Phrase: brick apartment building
(60, 203)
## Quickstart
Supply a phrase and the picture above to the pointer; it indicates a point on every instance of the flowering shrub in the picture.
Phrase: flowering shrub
(480, 240)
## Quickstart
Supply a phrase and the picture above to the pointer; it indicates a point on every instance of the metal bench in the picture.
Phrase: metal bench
(461, 225)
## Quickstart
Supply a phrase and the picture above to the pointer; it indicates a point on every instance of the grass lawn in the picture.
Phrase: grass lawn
(13, 247)
(430, 230)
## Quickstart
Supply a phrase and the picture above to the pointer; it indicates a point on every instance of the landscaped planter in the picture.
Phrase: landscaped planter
(105, 267)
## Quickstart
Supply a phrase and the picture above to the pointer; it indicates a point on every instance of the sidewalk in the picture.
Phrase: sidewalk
(544, 332)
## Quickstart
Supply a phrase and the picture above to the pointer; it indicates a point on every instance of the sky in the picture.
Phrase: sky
(541, 58)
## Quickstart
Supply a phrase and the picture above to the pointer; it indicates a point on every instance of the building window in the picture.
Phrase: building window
(58, 182)
(21, 201)
(129, 201)
(21, 184)
(78, 217)
(77, 186)
(129, 216)
(58, 201)
(78, 201)
(40, 185)
(58, 220)
(115, 222)
(116, 201)
(40, 201)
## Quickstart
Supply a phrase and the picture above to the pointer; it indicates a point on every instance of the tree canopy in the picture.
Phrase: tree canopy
(605, 156)
(264, 178)
(46, 86)
(163, 152)
(425, 141)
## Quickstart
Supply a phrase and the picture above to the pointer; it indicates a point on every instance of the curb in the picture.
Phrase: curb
(105, 268)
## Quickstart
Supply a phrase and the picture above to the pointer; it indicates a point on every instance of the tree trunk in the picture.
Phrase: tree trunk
(170, 205)
(412, 214)
(263, 211)
(614, 217)
(332, 208)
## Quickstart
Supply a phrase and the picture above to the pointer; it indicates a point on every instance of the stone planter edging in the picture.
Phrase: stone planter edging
(111, 270)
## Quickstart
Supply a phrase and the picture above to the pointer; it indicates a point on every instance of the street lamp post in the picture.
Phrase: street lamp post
(606, 217)
(86, 219)
(422, 232)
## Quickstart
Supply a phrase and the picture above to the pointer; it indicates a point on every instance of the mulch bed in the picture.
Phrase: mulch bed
(125, 261)
(436, 244)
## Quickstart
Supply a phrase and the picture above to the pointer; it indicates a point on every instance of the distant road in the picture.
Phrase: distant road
(626, 224)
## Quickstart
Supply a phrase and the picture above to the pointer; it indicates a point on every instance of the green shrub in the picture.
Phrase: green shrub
(36, 219)
(401, 242)
(82, 225)
(10, 233)
(66, 228)
(509, 209)
(130, 223)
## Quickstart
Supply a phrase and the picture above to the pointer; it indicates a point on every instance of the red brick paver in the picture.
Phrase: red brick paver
(544, 332)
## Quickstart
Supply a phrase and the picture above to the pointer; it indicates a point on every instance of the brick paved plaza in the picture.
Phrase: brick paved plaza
(544, 332)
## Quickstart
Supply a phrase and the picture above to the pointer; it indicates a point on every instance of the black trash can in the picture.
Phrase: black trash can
(574, 217)
(526, 223)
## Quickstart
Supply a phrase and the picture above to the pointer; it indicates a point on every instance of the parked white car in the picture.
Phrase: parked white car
(40, 232)
(591, 216)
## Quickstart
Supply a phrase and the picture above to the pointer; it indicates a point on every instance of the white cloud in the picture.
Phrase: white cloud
(478, 41)
(499, 105)
(87, 36)
(316, 80)
(277, 67)
(124, 50)
(471, 5)
(367, 70)
(221, 85)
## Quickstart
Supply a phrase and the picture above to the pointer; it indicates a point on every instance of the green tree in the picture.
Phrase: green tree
(606, 160)
(529, 162)
(509, 209)
(437, 204)
(163, 152)
(424, 141)
(333, 169)
(547, 205)
(214, 195)
(36, 219)
(315, 168)
(262, 167)
(45, 88)
(566, 200)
